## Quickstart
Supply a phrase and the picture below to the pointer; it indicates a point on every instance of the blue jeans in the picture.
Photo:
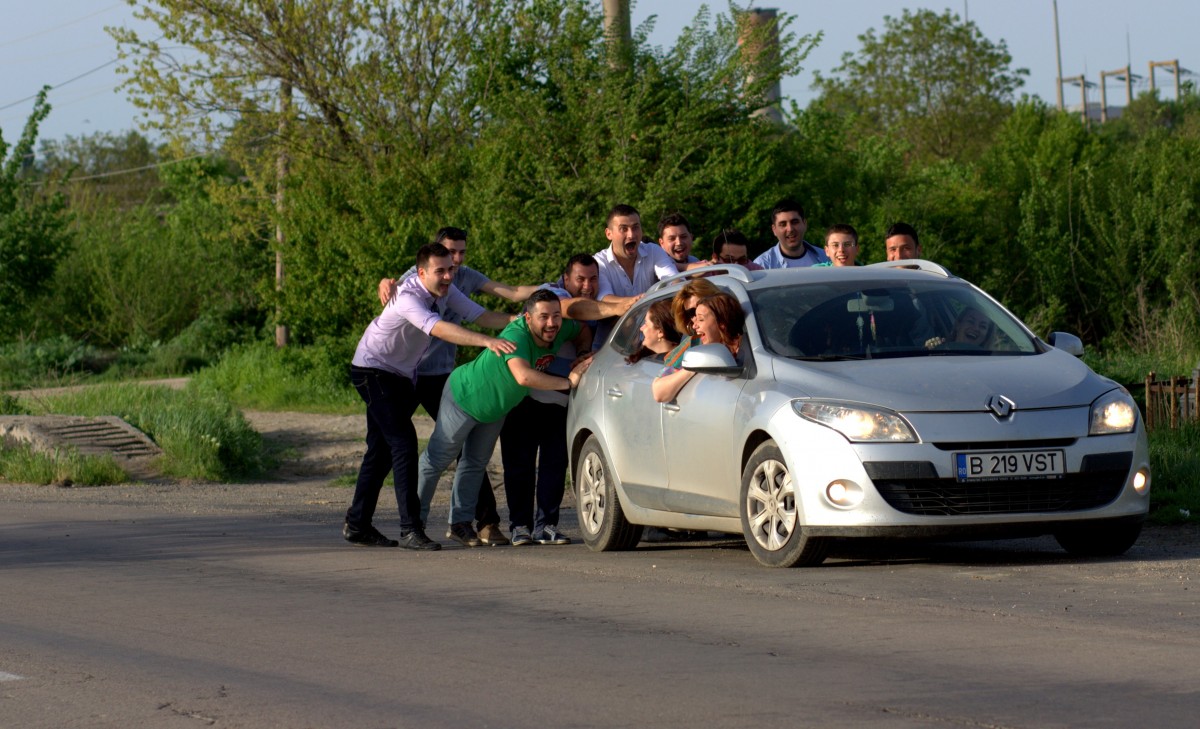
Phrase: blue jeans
(429, 394)
(391, 446)
(456, 433)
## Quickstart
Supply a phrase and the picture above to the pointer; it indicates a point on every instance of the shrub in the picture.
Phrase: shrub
(202, 435)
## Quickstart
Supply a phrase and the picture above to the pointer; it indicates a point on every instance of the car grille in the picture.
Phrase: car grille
(1005, 445)
(913, 487)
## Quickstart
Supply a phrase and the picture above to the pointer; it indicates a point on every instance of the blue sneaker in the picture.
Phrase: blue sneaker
(521, 536)
(551, 535)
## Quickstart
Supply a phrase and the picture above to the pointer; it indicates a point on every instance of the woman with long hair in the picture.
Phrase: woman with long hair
(719, 319)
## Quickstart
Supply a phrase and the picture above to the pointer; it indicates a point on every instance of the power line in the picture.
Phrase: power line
(64, 83)
(60, 26)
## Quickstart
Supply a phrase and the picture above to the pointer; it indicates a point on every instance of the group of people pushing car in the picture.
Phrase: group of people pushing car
(515, 390)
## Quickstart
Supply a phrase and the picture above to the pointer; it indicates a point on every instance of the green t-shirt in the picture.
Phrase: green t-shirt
(486, 389)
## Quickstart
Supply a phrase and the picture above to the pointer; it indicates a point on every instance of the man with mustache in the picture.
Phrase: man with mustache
(384, 372)
(792, 251)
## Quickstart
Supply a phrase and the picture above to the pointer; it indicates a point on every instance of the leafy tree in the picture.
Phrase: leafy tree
(33, 225)
(102, 169)
(932, 80)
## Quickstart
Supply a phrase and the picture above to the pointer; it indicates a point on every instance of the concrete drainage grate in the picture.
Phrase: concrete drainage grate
(106, 435)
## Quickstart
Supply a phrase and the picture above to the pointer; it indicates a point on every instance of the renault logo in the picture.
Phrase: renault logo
(1001, 406)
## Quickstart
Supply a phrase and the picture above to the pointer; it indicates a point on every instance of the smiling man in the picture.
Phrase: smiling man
(901, 242)
(675, 237)
(792, 251)
(841, 245)
(482, 392)
(384, 372)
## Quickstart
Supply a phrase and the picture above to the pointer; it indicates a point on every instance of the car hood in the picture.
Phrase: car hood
(1052, 379)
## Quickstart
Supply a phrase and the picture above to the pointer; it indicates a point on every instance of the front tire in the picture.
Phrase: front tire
(601, 519)
(770, 516)
(1098, 539)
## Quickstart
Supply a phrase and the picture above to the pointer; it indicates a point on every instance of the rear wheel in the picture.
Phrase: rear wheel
(601, 519)
(770, 517)
(1098, 539)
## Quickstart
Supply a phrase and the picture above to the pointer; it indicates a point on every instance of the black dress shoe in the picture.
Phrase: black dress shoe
(369, 537)
(416, 539)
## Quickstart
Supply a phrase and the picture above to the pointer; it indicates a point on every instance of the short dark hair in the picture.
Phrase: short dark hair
(449, 233)
(540, 296)
(729, 236)
(787, 205)
(431, 250)
(842, 228)
(898, 228)
(579, 259)
(672, 220)
(621, 211)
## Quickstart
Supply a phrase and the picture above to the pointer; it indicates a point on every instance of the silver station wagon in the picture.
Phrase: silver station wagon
(892, 400)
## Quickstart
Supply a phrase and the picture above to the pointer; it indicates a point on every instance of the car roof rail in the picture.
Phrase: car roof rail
(916, 264)
(741, 273)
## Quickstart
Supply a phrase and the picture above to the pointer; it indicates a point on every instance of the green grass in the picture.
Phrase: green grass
(1175, 470)
(19, 463)
(200, 432)
(310, 379)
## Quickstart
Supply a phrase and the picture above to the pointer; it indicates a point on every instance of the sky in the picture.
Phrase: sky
(62, 43)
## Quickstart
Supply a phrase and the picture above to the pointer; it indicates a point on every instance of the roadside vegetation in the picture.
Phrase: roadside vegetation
(201, 433)
(121, 258)
(19, 463)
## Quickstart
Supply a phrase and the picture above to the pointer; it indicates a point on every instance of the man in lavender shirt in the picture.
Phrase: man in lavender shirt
(384, 371)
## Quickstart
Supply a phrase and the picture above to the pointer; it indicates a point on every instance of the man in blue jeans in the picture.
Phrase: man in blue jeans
(480, 393)
(383, 372)
(438, 362)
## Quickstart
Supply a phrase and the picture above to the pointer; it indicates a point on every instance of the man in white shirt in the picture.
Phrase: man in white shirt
(628, 267)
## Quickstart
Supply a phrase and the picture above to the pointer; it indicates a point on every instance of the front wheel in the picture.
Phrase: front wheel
(1098, 539)
(601, 519)
(770, 516)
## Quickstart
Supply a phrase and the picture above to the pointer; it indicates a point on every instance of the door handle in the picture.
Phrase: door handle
(614, 392)
(671, 406)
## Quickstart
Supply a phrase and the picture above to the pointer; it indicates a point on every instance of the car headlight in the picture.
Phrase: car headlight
(1113, 412)
(857, 423)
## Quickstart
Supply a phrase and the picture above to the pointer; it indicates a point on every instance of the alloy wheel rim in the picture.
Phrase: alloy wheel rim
(591, 494)
(771, 505)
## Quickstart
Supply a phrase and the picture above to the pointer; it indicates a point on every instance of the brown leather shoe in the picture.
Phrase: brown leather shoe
(491, 535)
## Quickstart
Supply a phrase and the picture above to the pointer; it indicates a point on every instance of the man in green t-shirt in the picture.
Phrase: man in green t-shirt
(480, 393)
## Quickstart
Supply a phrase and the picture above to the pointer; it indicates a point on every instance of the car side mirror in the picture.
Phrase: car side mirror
(1068, 343)
(713, 359)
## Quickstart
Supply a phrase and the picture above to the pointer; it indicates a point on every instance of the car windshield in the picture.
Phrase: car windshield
(873, 319)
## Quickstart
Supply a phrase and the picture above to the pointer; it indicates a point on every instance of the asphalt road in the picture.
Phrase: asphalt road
(240, 606)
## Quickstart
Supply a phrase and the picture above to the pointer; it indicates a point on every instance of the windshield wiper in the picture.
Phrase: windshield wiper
(832, 358)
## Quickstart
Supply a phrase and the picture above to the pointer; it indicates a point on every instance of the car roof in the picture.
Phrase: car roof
(892, 271)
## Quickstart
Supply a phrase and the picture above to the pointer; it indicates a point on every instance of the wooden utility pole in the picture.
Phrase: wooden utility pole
(281, 171)
(618, 32)
(763, 49)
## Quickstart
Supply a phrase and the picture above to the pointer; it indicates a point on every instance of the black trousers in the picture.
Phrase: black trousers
(391, 446)
(429, 395)
(533, 446)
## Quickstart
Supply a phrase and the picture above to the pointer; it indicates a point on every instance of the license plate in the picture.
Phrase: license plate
(1003, 465)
